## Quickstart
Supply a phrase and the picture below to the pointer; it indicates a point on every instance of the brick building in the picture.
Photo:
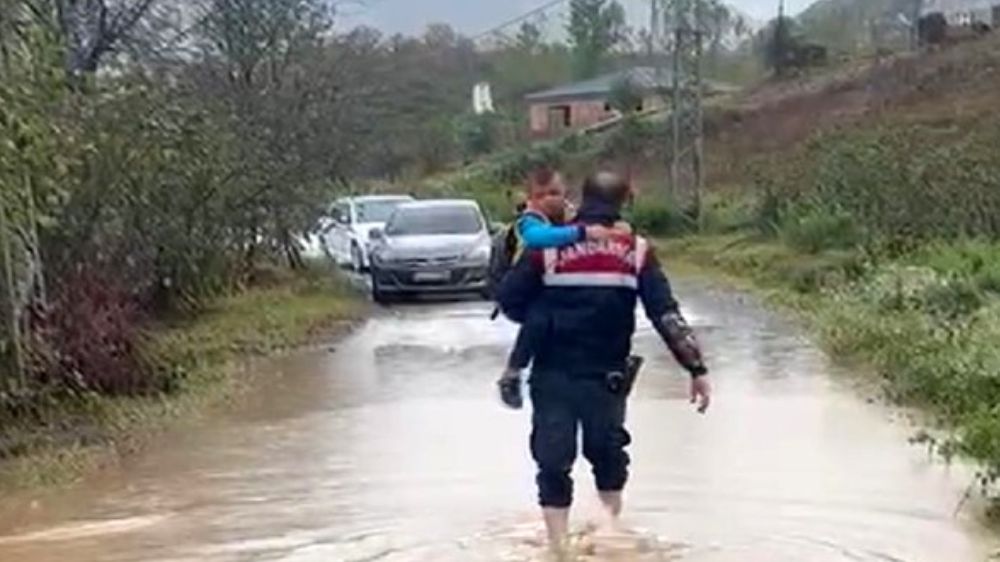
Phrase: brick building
(580, 105)
(965, 12)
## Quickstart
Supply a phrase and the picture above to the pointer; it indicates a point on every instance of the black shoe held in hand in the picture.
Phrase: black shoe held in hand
(510, 392)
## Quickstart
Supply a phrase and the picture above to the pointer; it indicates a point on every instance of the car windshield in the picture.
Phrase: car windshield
(417, 221)
(377, 211)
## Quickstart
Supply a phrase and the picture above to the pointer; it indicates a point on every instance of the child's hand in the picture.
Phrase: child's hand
(598, 233)
(623, 227)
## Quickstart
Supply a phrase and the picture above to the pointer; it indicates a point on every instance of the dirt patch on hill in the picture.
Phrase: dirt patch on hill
(941, 86)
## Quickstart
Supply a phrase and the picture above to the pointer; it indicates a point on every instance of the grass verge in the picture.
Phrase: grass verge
(926, 324)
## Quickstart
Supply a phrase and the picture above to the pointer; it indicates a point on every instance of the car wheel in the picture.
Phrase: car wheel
(357, 259)
(378, 295)
(325, 246)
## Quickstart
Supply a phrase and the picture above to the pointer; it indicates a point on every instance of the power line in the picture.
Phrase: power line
(687, 154)
(525, 16)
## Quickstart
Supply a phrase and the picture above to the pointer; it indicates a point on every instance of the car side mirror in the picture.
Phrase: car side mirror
(496, 228)
(376, 234)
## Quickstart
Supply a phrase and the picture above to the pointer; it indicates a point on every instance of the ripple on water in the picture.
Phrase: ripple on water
(87, 529)
(521, 542)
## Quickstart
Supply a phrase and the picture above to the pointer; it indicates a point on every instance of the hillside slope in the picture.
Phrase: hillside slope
(946, 88)
(855, 9)
(847, 25)
(950, 86)
(869, 196)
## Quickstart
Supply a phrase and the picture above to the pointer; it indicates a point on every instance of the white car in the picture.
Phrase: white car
(346, 234)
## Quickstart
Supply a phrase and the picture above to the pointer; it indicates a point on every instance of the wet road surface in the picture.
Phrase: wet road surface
(392, 447)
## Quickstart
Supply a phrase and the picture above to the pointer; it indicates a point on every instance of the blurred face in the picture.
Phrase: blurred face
(550, 198)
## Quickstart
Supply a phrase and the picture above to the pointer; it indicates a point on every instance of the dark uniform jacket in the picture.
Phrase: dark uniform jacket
(578, 303)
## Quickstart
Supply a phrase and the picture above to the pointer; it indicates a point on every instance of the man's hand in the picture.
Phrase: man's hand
(701, 393)
(510, 389)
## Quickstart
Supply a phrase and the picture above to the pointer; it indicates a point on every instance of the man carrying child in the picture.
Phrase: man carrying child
(576, 306)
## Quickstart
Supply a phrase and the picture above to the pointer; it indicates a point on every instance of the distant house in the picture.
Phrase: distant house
(965, 12)
(580, 105)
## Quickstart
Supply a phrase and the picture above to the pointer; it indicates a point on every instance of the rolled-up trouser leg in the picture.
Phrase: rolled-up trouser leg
(553, 444)
(602, 415)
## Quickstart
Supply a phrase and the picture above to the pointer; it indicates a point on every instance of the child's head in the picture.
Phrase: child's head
(547, 193)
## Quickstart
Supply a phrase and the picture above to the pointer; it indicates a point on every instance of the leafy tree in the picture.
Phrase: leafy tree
(595, 28)
(780, 44)
(251, 34)
(206, 152)
(32, 164)
(719, 21)
(529, 38)
(479, 134)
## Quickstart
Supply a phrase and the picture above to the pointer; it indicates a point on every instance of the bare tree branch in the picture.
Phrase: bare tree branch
(92, 29)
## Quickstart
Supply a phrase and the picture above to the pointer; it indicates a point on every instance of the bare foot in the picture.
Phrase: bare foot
(559, 552)
(557, 526)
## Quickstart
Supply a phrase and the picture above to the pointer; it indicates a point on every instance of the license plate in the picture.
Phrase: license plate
(431, 276)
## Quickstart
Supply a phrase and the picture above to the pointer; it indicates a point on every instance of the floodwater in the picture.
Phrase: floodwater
(392, 447)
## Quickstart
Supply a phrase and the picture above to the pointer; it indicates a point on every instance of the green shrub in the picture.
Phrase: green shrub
(724, 215)
(813, 229)
(957, 298)
(659, 219)
(978, 260)
(905, 184)
(823, 271)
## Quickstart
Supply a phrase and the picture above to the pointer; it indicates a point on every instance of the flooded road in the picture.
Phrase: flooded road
(392, 447)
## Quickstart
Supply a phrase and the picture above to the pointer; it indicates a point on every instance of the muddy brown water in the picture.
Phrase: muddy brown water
(392, 447)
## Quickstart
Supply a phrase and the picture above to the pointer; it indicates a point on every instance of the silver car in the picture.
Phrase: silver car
(440, 246)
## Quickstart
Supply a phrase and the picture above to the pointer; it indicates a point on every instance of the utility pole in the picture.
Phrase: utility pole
(655, 28)
(780, 41)
(687, 156)
(918, 12)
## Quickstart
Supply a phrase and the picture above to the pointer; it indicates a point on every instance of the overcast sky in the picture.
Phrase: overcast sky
(473, 16)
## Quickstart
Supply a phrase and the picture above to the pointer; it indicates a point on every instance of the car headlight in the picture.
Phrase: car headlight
(480, 255)
(379, 255)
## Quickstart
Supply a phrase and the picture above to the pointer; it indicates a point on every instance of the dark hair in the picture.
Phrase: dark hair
(542, 175)
(608, 188)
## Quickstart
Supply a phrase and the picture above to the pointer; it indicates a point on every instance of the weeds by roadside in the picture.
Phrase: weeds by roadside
(926, 324)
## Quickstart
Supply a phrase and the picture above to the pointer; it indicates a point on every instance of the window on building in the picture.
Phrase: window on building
(560, 117)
